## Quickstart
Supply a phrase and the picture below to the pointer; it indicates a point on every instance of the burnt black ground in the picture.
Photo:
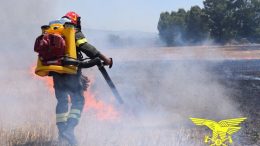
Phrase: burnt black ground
(240, 77)
(243, 78)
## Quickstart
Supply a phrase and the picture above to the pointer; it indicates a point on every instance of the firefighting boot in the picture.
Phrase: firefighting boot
(62, 126)
(68, 134)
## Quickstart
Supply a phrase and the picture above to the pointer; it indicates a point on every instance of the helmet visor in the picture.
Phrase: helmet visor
(60, 21)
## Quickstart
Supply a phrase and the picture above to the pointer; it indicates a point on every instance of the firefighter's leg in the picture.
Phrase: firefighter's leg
(61, 94)
(78, 101)
(61, 110)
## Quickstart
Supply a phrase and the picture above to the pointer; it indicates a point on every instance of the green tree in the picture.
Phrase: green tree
(164, 27)
(221, 19)
(256, 9)
(197, 25)
(172, 26)
(245, 18)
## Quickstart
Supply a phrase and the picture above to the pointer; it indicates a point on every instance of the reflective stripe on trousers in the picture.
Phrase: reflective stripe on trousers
(62, 117)
(75, 113)
(65, 86)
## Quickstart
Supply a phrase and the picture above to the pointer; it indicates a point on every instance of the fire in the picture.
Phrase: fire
(47, 80)
(102, 110)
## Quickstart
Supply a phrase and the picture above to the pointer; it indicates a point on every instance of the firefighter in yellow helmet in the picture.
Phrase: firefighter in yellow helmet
(73, 85)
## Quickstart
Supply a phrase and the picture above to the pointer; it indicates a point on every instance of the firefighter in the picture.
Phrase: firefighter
(73, 85)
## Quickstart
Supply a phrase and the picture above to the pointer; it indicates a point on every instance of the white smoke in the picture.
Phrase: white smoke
(21, 96)
(160, 93)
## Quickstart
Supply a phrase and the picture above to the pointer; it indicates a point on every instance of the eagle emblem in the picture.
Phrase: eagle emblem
(221, 131)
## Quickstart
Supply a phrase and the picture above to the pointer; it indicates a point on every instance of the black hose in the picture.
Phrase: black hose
(81, 64)
(90, 63)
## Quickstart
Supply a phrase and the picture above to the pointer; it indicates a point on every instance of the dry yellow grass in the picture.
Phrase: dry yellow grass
(91, 132)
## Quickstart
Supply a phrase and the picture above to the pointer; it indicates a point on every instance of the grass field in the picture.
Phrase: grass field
(152, 117)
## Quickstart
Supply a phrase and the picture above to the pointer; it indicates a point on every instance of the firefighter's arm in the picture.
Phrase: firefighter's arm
(91, 51)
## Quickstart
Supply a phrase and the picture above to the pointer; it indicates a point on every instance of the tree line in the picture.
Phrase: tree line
(219, 20)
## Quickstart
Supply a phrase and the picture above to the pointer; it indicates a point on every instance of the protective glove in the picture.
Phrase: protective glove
(110, 64)
(107, 61)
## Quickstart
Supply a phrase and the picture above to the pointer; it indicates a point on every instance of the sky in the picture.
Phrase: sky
(124, 15)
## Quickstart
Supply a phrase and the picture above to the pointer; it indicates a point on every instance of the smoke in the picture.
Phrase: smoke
(122, 39)
(161, 91)
(21, 96)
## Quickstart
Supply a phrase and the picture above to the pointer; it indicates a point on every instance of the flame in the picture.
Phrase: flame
(47, 80)
(103, 111)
